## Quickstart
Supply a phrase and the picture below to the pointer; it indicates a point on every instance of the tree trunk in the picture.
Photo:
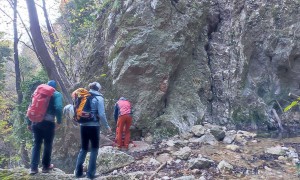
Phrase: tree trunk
(59, 64)
(16, 55)
(24, 157)
(42, 51)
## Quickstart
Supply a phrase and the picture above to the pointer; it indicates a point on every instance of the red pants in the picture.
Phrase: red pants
(123, 125)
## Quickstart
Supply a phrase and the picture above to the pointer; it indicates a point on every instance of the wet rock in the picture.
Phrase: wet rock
(224, 166)
(198, 130)
(229, 137)
(200, 163)
(183, 153)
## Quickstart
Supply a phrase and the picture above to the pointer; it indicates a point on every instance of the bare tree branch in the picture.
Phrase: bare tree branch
(59, 63)
(28, 46)
(6, 14)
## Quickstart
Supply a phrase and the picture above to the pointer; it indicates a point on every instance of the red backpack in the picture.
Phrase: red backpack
(40, 101)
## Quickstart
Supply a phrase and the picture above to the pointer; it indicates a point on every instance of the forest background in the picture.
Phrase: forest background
(38, 41)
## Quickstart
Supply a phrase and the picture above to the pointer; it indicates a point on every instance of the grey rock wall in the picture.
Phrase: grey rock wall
(228, 62)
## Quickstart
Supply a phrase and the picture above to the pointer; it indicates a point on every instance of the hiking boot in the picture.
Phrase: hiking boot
(34, 171)
(93, 177)
(48, 169)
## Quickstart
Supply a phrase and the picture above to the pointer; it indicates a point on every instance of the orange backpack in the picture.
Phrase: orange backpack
(82, 105)
(40, 102)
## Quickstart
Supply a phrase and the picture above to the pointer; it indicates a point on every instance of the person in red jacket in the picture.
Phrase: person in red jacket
(123, 118)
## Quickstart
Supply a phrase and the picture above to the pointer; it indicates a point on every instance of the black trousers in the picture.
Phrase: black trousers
(42, 132)
(89, 133)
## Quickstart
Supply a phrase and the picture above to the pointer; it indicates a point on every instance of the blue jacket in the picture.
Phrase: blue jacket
(98, 109)
(54, 109)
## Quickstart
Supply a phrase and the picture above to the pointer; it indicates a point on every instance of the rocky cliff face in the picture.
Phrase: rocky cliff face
(182, 62)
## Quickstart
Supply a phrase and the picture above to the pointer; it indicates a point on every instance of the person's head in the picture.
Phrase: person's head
(122, 98)
(52, 83)
(95, 86)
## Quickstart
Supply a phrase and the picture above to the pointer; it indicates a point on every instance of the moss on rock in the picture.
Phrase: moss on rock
(244, 117)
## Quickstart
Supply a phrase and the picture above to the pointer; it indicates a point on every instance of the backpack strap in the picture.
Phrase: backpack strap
(94, 95)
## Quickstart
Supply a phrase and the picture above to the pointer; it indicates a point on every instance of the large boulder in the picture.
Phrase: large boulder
(110, 159)
(21, 174)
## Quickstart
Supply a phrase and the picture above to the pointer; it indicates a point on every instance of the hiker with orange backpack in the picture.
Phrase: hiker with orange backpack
(90, 113)
(123, 119)
(46, 105)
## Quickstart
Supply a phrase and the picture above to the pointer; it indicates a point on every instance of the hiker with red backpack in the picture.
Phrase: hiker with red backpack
(123, 119)
(46, 104)
(90, 113)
